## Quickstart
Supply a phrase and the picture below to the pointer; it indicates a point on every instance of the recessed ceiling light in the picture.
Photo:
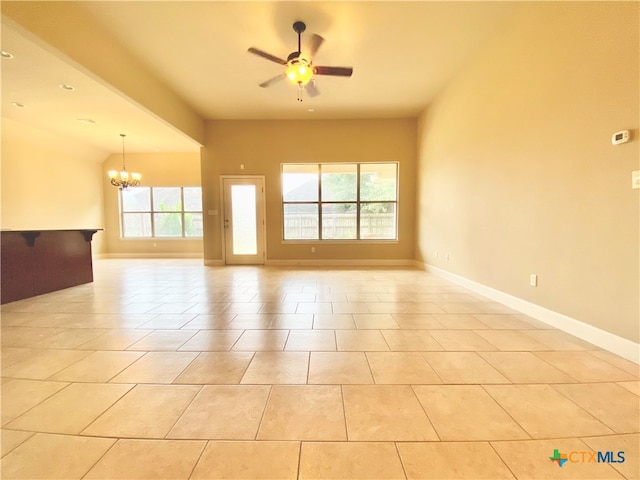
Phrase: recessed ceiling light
(17, 104)
(88, 121)
(5, 54)
(310, 110)
(67, 87)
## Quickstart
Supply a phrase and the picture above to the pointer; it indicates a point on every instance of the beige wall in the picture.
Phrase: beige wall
(263, 145)
(158, 170)
(517, 174)
(49, 183)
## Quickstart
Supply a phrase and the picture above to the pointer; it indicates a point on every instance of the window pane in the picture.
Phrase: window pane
(192, 199)
(167, 224)
(378, 221)
(301, 222)
(193, 224)
(339, 182)
(378, 181)
(166, 199)
(136, 199)
(136, 224)
(300, 183)
(339, 221)
(244, 219)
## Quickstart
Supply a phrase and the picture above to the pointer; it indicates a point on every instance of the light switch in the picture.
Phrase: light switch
(635, 179)
(213, 212)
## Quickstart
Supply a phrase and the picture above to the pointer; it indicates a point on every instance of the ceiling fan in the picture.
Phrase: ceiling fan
(299, 67)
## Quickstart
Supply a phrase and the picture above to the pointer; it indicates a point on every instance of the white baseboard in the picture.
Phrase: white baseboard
(613, 343)
(340, 263)
(150, 255)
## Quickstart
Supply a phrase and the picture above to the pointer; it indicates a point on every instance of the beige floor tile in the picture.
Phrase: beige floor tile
(525, 367)
(366, 321)
(148, 459)
(293, 321)
(248, 460)
(461, 340)
(279, 307)
(335, 321)
(459, 321)
(558, 340)
(216, 368)
(12, 355)
(446, 460)
(163, 340)
(320, 307)
(97, 367)
(251, 321)
(401, 368)
(613, 405)
(512, 340)
(629, 444)
(329, 368)
(502, 322)
(529, 460)
(240, 308)
(147, 411)
(618, 362)
(545, 413)
(633, 386)
(18, 396)
(467, 412)
(463, 367)
(311, 340)
(349, 307)
(277, 368)
(420, 307)
(584, 367)
(26, 336)
(10, 439)
(361, 341)
(225, 412)
(156, 367)
(410, 341)
(212, 341)
(116, 339)
(305, 412)
(353, 460)
(71, 409)
(417, 321)
(385, 413)
(261, 340)
(45, 364)
(210, 321)
(69, 339)
(168, 321)
(48, 456)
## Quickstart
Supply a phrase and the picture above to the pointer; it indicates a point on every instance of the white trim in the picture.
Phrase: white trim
(214, 263)
(339, 263)
(151, 255)
(607, 340)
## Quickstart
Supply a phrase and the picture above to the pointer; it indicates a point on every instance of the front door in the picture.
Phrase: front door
(243, 199)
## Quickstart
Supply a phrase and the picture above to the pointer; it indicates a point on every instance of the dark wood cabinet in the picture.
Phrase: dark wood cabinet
(40, 261)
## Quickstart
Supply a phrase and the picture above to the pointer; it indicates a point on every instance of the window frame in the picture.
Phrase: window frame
(357, 202)
(152, 212)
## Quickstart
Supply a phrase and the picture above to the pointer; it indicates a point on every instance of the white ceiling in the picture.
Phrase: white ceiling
(402, 53)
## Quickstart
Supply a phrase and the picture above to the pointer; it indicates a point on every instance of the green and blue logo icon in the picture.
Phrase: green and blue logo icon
(587, 457)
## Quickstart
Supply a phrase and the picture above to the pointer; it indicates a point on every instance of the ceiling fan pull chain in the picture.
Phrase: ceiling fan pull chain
(300, 88)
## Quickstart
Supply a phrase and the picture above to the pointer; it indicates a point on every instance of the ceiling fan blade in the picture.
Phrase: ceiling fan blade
(312, 89)
(314, 45)
(335, 71)
(273, 80)
(268, 56)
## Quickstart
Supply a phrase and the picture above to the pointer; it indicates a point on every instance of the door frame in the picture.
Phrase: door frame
(264, 214)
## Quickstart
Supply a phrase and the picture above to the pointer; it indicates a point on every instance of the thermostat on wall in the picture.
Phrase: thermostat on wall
(620, 137)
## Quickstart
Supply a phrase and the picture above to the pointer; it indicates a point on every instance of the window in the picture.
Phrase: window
(161, 212)
(340, 201)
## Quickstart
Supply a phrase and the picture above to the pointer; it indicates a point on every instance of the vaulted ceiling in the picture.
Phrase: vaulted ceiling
(157, 69)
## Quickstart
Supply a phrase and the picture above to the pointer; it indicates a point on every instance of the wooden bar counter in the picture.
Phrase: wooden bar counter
(40, 261)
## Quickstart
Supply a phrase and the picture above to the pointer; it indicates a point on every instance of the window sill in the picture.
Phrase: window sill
(338, 242)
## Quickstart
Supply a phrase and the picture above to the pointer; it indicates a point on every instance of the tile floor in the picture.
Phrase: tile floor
(169, 369)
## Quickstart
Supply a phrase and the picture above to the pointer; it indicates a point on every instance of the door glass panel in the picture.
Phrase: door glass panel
(243, 216)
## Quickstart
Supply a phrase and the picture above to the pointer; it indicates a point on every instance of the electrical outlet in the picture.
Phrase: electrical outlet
(437, 254)
(313, 249)
(447, 257)
(533, 280)
(635, 179)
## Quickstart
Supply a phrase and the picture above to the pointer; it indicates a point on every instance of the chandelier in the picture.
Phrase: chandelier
(124, 179)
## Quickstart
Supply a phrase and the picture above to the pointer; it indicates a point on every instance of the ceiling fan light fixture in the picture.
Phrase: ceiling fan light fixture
(299, 71)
